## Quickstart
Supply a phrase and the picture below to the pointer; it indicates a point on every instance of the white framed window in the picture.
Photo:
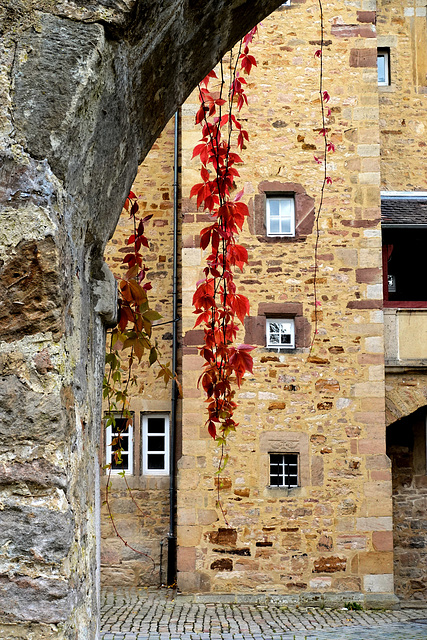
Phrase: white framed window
(280, 216)
(284, 470)
(155, 444)
(280, 333)
(383, 66)
(119, 435)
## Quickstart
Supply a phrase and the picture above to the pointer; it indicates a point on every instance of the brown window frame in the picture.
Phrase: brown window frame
(304, 211)
(255, 326)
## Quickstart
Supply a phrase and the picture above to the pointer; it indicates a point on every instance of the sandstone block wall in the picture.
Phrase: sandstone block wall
(334, 532)
(401, 28)
(324, 535)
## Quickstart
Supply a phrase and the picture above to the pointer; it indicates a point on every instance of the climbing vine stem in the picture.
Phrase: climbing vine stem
(128, 342)
(327, 147)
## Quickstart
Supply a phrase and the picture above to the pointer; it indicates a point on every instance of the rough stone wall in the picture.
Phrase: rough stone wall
(406, 447)
(144, 520)
(401, 27)
(334, 532)
(406, 392)
(86, 88)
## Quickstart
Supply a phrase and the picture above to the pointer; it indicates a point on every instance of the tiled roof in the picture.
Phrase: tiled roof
(401, 211)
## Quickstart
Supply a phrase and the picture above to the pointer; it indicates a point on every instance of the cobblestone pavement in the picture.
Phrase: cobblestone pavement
(161, 615)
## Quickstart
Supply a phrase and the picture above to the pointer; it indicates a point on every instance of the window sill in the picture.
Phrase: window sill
(284, 491)
(280, 349)
(403, 304)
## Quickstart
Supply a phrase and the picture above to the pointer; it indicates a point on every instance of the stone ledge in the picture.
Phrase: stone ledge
(307, 599)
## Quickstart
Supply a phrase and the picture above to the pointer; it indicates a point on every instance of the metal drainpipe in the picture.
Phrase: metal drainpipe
(171, 569)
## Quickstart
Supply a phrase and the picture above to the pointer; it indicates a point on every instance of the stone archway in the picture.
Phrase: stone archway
(406, 411)
(406, 448)
(86, 89)
(406, 392)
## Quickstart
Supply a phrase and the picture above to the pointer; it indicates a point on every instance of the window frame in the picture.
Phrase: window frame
(385, 53)
(109, 435)
(165, 471)
(405, 197)
(290, 322)
(285, 197)
(285, 465)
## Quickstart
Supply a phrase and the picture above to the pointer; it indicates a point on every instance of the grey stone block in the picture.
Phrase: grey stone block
(381, 601)
(213, 598)
(284, 600)
(337, 600)
(41, 599)
(36, 533)
(250, 598)
(26, 415)
(312, 599)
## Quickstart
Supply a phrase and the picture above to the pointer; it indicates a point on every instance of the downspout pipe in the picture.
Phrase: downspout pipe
(171, 568)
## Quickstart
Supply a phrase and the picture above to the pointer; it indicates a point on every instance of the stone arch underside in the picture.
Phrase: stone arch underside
(86, 89)
(406, 392)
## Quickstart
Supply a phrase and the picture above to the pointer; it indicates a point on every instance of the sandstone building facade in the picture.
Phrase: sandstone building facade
(325, 492)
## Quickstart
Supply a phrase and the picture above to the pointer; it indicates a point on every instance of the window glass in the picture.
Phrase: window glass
(284, 470)
(119, 436)
(155, 444)
(280, 333)
(155, 425)
(156, 462)
(280, 216)
(383, 67)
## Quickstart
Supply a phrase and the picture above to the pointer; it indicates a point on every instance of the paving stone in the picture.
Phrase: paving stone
(160, 615)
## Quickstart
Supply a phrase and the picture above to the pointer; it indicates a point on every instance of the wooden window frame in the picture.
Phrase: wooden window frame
(303, 208)
(144, 440)
(109, 435)
(281, 198)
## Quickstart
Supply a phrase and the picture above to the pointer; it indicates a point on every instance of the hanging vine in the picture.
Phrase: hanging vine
(218, 305)
(216, 301)
(127, 343)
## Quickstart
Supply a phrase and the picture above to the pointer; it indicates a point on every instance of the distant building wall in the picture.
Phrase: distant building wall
(333, 534)
(321, 537)
(401, 28)
(142, 514)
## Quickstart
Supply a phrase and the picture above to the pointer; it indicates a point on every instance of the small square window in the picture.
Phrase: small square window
(383, 66)
(155, 444)
(284, 470)
(280, 216)
(281, 333)
(119, 435)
